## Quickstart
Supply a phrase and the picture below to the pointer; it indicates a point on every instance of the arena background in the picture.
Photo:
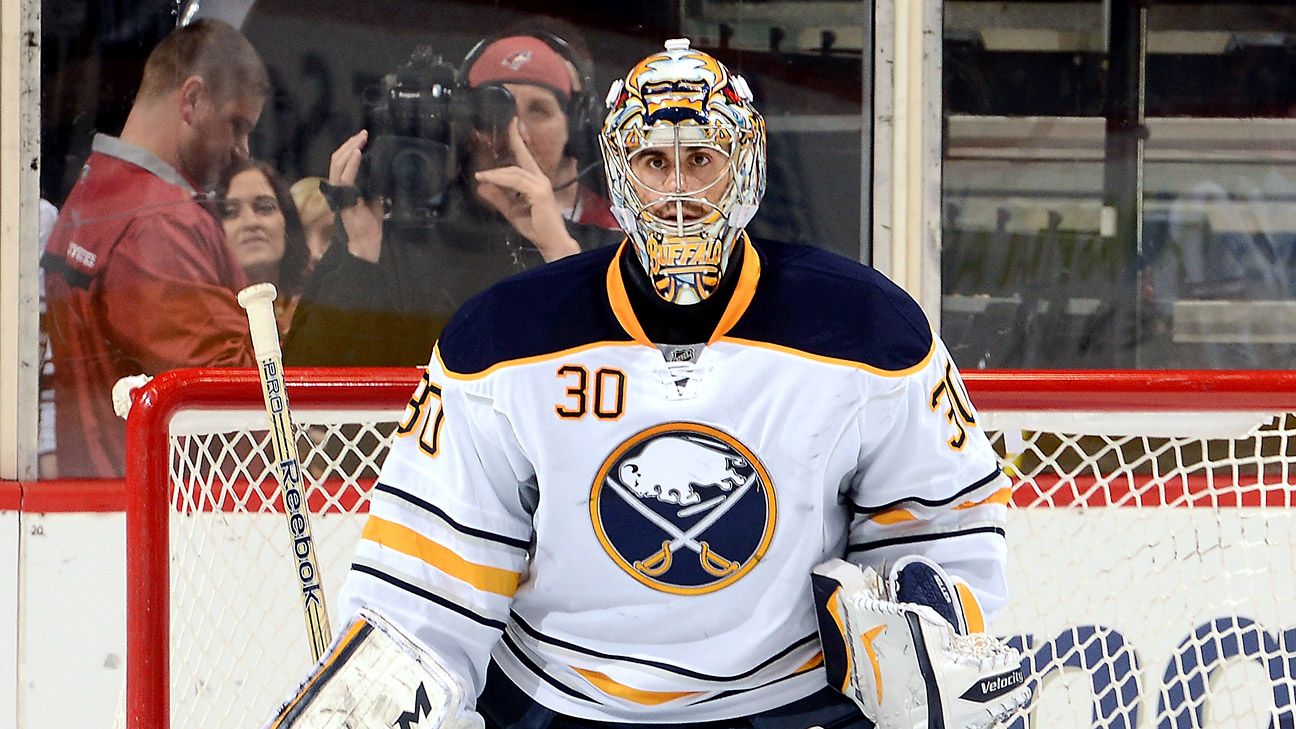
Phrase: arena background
(1014, 165)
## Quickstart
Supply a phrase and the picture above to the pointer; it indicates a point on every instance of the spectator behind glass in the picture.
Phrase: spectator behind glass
(1225, 247)
(265, 233)
(543, 107)
(139, 277)
(46, 452)
(382, 292)
(317, 218)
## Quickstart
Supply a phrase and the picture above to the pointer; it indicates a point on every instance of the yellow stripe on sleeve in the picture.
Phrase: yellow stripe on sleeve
(893, 516)
(407, 541)
(815, 661)
(1001, 497)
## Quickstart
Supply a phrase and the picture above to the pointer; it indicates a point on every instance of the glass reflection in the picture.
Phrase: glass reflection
(473, 166)
(1036, 271)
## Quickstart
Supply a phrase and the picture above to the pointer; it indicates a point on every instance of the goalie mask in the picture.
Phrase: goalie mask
(685, 159)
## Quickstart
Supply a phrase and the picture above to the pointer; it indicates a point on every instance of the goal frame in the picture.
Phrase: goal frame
(148, 640)
(148, 429)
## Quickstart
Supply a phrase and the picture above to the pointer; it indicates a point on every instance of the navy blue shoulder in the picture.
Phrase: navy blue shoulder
(824, 304)
(547, 309)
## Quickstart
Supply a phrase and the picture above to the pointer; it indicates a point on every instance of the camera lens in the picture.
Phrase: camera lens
(493, 109)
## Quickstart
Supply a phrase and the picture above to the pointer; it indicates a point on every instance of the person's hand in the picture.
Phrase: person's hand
(362, 221)
(524, 195)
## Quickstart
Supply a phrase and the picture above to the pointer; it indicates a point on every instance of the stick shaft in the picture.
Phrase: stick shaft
(265, 343)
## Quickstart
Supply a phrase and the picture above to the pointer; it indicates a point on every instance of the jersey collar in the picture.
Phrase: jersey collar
(140, 157)
(748, 277)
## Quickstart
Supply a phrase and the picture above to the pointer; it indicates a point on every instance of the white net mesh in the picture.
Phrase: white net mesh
(1151, 563)
(1151, 570)
(238, 638)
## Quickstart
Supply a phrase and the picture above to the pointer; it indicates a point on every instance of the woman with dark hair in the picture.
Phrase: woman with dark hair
(264, 232)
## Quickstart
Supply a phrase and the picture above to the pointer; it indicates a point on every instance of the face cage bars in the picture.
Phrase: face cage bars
(679, 196)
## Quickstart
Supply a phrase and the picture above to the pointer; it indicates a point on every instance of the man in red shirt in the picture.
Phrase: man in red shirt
(139, 277)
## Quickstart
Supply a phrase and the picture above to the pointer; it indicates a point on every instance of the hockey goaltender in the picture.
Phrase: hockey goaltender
(697, 480)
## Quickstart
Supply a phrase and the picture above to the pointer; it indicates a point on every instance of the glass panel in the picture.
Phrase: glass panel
(1027, 278)
(92, 57)
(1062, 247)
(1219, 241)
(144, 282)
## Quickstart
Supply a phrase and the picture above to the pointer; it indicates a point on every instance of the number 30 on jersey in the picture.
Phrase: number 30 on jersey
(426, 419)
(602, 392)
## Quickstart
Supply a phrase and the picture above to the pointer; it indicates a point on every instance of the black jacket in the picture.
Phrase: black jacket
(357, 313)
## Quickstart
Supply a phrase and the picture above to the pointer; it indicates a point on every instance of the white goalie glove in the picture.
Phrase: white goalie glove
(908, 650)
(375, 676)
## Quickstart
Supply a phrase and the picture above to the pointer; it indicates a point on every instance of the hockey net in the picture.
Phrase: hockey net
(1151, 541)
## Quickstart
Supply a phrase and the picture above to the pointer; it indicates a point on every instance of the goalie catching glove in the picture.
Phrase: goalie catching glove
(909, 650)
(375, 676)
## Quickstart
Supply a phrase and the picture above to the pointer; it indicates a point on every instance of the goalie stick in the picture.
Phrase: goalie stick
(258, 301)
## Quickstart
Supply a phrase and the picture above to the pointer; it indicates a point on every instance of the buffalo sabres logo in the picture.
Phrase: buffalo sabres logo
(683, 508)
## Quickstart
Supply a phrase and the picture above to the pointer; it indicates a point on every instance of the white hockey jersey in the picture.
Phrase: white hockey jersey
(631, 538)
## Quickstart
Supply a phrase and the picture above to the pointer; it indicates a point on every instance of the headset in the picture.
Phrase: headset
(584, 109)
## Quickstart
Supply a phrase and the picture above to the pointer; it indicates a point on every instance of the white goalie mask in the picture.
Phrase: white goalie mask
(685, 160)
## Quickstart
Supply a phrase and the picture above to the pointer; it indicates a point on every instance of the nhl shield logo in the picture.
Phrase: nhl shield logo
(683, 508)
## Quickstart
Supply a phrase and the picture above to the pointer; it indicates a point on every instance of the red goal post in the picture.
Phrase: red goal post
(1151, 560)
(317, 394)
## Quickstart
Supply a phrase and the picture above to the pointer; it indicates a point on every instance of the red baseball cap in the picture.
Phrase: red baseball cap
(521, 59)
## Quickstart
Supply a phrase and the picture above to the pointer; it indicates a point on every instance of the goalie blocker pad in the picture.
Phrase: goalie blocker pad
(374, 676)
(907, 665)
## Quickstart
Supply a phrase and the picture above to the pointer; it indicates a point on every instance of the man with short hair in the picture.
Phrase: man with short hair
(140, 278)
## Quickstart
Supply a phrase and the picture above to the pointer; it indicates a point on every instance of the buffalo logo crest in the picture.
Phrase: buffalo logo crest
(683, 508)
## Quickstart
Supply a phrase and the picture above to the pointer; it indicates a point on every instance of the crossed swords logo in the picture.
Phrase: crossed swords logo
(660, 561)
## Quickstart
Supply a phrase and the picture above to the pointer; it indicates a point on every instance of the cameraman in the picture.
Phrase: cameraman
(383, 290)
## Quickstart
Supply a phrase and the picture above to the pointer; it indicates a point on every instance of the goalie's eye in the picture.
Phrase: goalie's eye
(700, 159)
(652, 168)
(655, 161)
